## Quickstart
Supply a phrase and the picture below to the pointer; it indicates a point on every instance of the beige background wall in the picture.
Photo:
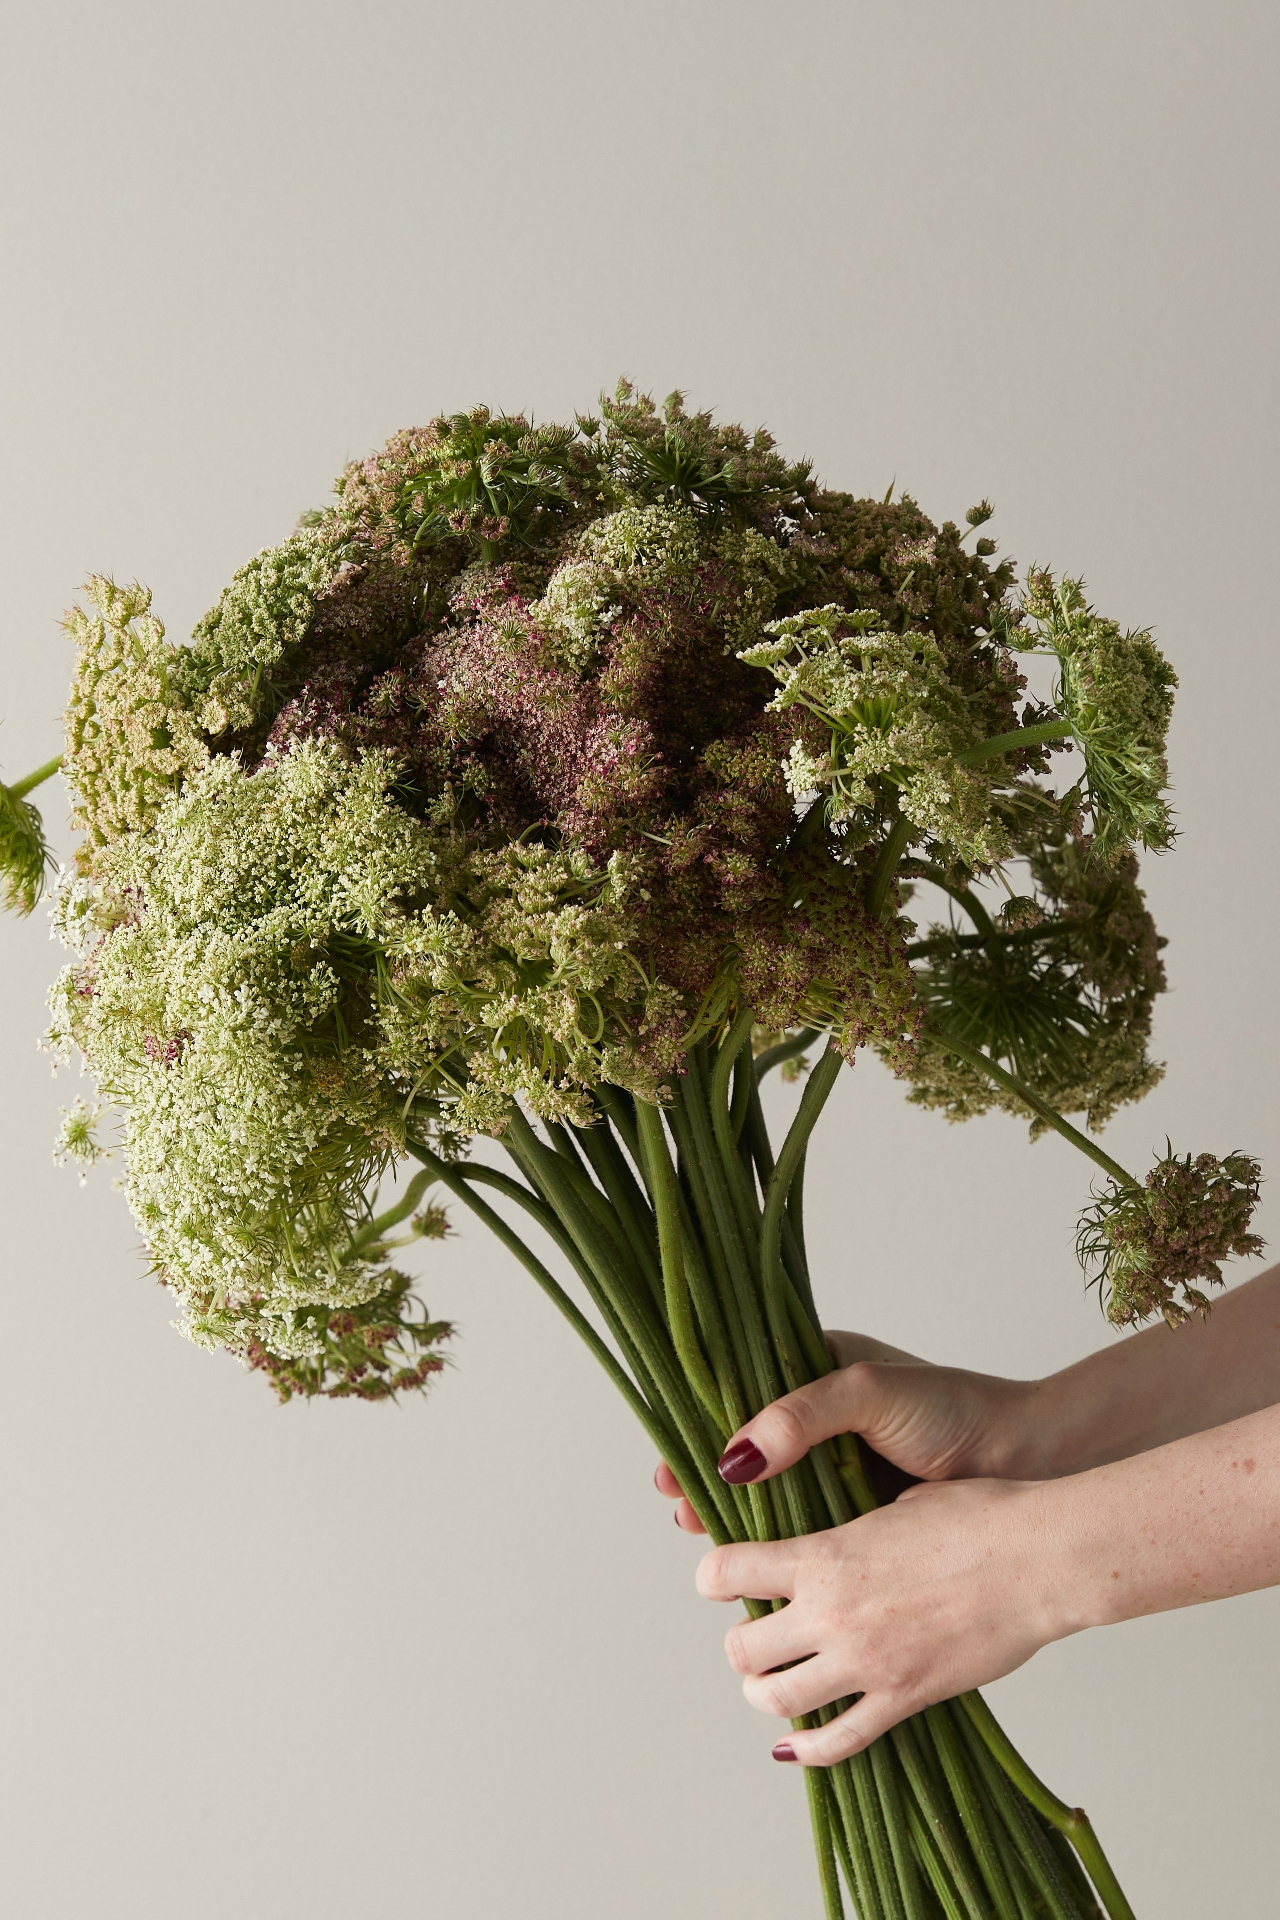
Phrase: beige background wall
(448, 1659)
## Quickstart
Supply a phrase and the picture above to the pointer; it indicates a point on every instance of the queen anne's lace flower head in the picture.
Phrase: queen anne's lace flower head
(1148, 1245)
(472, 793)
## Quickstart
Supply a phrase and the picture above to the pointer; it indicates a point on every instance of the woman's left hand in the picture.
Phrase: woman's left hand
(952, 1586)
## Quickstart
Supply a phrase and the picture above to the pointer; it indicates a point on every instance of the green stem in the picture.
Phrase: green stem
(1074, 1822)
(884, 1767)
(1010, 742)
(1024, 1892)
(1050, 1115)
(965, 1793)
(548, 1171)
(939, 1816)
(887, 865)
(965, 896)
(756, 1137)
(816, 1093)
(1018, 1818)
(820, 1817)
(684, 1334)
(21, 788)
(726, 1137)
(1014, 937)
(453, 1178)
(862, 1774)
(785, 1050)
(644, 1348)
(702, 1226)
(764, 1383)
(605, 1215)
(866, 1894)
(609, 1165)
(934, 1866)
(621, 1110)
(383, 1222)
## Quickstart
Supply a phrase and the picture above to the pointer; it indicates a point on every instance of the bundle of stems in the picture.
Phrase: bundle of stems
(687, 1234)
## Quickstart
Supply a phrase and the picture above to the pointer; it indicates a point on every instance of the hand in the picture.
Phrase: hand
(950, 1587)
(940, 1423)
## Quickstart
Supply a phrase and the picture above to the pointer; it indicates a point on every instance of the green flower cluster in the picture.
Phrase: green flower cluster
(1116, 690)
(130, 738)
(24, 852)
(1061, 989)
(896, 729)
(1145, 1243)
(472, 796)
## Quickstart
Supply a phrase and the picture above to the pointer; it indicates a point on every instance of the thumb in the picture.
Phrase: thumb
(854, 1399)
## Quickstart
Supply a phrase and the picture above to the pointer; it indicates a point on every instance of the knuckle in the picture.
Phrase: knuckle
(862, 1379)
(776, 1696)
(713, 1571)
(789, 1424)
(736, 1649)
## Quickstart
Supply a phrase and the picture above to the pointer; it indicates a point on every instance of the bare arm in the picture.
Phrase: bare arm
(1160, 1385)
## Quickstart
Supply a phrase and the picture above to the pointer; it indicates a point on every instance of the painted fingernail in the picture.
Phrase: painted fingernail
(784, 1751)
(676, 1517)
(657, 1480)
(741, 1462)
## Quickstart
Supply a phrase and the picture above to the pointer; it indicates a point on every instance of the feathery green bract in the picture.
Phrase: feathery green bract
(1116, 689)
(24, 853)
(1143, 1244)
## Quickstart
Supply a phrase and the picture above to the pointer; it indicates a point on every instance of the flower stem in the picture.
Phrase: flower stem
(887, 865)
(1010, 742)
(819, 1815)
(785, 1050)
(1074, 1822)
(21, 788)
(1050, 1115)
(965, 1793)
(684, 1334)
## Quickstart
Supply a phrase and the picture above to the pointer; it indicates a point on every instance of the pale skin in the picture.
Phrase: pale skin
(1145, 1477)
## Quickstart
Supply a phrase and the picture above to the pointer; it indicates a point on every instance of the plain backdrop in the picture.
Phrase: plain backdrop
(447, 1659)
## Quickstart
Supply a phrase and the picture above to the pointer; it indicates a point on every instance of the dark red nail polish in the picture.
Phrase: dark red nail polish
(784, 1751)
(741, 1462)
(676, 1517)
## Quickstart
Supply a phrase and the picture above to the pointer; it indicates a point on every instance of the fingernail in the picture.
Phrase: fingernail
(741, 1462)
(784, 1751)
(676, 1517)
(656, 1481)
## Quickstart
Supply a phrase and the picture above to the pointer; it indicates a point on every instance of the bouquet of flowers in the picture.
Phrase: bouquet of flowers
(553, 786)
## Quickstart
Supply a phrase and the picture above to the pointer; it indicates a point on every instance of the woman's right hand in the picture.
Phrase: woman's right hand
(938, 1423)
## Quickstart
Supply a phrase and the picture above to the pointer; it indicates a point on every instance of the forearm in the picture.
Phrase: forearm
(1197, 1519)
(1156, 1387)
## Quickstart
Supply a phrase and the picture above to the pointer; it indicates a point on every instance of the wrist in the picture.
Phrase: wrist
(1066, 1550)
(1023, 1438)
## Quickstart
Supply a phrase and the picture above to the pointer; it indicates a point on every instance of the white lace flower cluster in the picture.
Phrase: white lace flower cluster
(272, 982)
(896, 728)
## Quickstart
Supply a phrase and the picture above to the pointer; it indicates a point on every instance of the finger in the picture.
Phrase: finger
(665, 1481)
(846, 1401)
(849, 1732)
(687, 1520)
(800, 1689)
(775, 1640)
(757, 1570)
